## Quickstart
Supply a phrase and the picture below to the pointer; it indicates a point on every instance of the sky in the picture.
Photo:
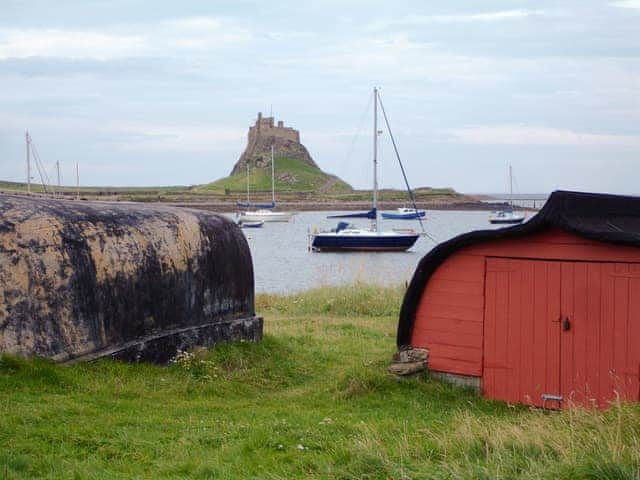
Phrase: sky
(163, 92)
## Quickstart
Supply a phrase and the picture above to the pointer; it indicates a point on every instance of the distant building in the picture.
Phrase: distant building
(266, 133)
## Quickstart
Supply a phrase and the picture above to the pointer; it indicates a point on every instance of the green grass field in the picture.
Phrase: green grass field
(291, 175)
(313, 400)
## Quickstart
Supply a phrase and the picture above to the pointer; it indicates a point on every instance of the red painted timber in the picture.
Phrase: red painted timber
(494, 310)
(521, 344)
(452, 306)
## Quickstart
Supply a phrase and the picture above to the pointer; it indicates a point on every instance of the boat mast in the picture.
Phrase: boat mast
(374, 221)
(26, 135)
(510, 187)
(247, 182)
(273, 182)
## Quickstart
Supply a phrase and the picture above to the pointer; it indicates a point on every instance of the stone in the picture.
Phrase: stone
(409, 361)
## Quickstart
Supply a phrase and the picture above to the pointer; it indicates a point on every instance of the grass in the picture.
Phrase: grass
(312, 400)
(291, 175)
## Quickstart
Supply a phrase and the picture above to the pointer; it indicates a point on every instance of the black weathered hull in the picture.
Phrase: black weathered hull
(81, 280)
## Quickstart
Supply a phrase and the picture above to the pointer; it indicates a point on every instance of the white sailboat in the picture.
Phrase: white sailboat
(264, 214)
(507, 216)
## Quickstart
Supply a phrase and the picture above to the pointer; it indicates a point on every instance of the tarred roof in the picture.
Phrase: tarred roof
(606, 218)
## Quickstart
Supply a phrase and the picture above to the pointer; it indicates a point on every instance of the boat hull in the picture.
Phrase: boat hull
(246, 224)
(403, 216)
(506, 222)
(271, 217)
(372, 243)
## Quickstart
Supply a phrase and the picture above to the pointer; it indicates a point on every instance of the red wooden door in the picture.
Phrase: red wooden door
(522, 335)
(600, 339)
(567, 330)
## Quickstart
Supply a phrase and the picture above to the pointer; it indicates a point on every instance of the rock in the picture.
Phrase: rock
(409, 361)
(264, 134)
(408, 368)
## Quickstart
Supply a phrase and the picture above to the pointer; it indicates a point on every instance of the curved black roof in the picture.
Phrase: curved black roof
(607, 218)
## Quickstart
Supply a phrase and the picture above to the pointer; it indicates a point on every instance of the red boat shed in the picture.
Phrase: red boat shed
(546, 313)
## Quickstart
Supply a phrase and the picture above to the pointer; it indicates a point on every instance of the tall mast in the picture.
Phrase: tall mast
(58, 170)
(374, 222)
(247, 182)
(26, 135)
(273, 182)
(510, 186)
(77, 181)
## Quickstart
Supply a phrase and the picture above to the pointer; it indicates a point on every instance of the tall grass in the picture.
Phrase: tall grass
(312, 400)
(360, 299)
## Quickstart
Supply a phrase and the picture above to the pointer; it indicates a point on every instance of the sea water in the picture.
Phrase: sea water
(283, 263)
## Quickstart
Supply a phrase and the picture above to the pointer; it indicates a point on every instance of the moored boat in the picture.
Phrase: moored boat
(346, 237)
(248, 224)
(263, 212)
(404, 213)
(507, 216)
(264, 215)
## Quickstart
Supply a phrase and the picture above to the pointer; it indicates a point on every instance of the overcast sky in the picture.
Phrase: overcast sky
(163, 92)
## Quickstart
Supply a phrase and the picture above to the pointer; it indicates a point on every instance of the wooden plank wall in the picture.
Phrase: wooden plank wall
(450, 315)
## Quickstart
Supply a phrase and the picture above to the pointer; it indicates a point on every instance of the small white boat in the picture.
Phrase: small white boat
(248, 224)
(264, 215)
(507, 216)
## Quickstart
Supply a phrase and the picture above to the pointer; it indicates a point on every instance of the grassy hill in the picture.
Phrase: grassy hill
(291, 175)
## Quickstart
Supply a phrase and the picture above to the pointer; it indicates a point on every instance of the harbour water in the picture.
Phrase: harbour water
(283, 263)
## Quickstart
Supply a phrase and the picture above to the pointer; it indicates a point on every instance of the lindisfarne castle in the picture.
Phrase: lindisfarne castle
(266, 133)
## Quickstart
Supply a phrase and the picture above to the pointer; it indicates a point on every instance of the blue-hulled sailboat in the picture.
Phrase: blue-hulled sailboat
(404, 213)
(346, 237)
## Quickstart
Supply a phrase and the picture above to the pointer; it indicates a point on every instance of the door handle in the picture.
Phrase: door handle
(566, 324)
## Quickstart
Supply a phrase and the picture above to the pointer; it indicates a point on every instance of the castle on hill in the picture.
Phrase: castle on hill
(266, 133)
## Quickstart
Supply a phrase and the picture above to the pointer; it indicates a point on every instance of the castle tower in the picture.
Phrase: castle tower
(262, 135)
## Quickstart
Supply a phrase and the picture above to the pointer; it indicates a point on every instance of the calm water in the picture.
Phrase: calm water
(283, 264)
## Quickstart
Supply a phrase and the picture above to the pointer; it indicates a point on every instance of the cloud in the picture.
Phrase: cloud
(417, 20)
(538, 135)
(626, 4)
(177, 138)
(197, 33)
(395, 57)
(16, 43)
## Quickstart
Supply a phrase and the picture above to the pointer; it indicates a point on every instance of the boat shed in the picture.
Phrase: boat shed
(546, 313)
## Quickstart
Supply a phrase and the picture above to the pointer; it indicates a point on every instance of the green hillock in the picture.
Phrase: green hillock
(291, 175)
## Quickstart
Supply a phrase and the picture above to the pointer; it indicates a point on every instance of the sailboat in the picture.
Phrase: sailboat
(507, 216)
(346, 237)
(263, 212)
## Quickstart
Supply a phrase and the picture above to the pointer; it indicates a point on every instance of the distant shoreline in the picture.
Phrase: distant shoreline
(228, 204)
(309, 206)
